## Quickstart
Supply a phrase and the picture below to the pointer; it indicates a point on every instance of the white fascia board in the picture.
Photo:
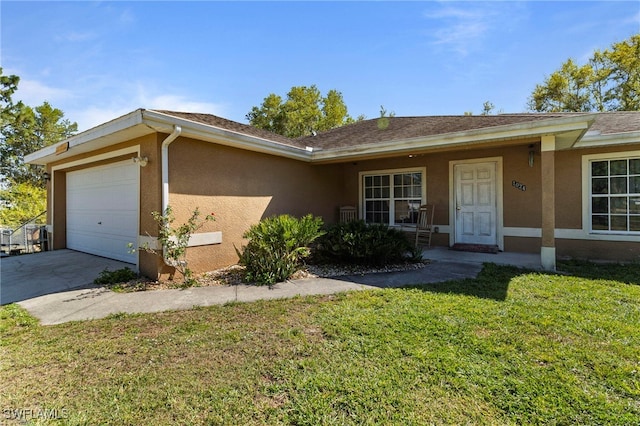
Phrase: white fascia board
(165, 122)
(449, 140)
(48, 154)
(598, 140)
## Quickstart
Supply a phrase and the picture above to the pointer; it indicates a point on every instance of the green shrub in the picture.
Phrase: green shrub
(277, 246)
(362, 243)
(115, 277)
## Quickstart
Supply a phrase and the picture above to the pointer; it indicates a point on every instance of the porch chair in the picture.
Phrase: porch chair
(348, 214)
(424, 226)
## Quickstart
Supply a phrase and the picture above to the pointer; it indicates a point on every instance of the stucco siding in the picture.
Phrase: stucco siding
(241, 188)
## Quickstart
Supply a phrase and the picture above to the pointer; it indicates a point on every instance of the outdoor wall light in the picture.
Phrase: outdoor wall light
(46, 176)
(532, 155)
(142, 161)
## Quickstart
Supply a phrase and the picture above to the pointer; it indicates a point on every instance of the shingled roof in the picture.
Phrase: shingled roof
(401, 128)
(233, 126)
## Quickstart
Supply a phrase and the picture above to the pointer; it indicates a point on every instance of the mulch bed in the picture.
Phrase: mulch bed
(233, 275)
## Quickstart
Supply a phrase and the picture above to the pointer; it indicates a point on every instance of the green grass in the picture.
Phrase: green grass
(510, 347)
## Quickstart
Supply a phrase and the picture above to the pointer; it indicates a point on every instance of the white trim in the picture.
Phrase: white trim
(499, 197)
(567, 234)
(510, 231)
(586, 199)
(195, 240)
(391, 172)
(597, 140)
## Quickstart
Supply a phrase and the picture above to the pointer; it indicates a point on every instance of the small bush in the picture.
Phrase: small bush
(277, 246)
(362, 243)
(115, 277)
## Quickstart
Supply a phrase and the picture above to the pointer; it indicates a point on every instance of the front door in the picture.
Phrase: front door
(475, 203)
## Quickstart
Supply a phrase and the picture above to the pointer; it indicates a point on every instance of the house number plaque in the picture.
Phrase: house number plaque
(518, 185)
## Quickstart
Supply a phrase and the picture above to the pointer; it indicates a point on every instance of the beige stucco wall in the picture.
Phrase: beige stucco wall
(241, 188)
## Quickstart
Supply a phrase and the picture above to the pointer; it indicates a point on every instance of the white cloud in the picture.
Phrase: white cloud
(462, 28)
(95, 115)
(34, 92)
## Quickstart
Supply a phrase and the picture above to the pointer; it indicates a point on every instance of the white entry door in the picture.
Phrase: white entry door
(102, 210)
(475, 203)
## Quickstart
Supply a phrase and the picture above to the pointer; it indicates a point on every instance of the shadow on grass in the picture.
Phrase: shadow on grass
(491, 283)
(627, 273)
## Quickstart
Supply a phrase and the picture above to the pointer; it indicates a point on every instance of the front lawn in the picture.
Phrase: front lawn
(510, 347)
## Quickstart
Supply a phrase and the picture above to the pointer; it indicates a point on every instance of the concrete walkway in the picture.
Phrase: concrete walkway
(56, 286)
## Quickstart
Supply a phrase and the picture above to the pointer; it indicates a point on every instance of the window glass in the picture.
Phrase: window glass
(599, 168)
(615, 195)
(618, 167)
(392, 205)
(600, 186)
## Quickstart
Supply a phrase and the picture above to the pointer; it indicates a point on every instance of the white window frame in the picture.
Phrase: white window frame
(587, 199)
(391, 172)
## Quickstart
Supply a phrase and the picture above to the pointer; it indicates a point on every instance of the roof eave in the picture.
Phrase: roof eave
(595, 141)
(567, 129)
(144, 122)
(164, 123)
(104, 135)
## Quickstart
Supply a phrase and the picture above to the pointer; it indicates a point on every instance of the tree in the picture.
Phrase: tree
(610, 81)
(29, 130)
(24, 130)
(303, 112)
(23, 202)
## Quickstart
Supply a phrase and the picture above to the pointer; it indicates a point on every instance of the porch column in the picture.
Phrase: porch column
(548, 249)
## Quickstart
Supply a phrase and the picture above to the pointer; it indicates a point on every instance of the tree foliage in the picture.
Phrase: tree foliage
(303, 112)
(609, 81)
(23, 130)
(21, 202)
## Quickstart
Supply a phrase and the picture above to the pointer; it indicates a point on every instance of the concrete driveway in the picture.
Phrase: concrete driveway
(32, 275)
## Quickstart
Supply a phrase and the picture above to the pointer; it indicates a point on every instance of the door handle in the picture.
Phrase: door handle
(458, 208)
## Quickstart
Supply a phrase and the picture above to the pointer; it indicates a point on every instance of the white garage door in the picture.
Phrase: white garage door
(102, 210)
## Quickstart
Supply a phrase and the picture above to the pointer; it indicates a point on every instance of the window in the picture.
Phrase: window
(393, 197)
(615, 195)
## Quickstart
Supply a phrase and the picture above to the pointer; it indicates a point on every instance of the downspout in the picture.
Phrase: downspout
(164, 155)
(165, 165)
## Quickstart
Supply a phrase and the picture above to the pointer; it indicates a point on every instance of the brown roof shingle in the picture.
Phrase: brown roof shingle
(399, 128)
(233, 126)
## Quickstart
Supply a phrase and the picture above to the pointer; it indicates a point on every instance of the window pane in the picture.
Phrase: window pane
(368, 193)
(386, 192)
(634, 185)
(406, 211)
(397, 180)
(368, 181)
(618, 205)
(600, 223)
(634, 166)
(385, 180)
(600, 205)
(618, 167)
(634, 205)
(634, 223)
(619, 223)
(600, 186)
(619, 185)
(599, 168)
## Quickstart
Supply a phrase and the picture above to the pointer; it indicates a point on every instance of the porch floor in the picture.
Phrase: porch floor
(522, 260)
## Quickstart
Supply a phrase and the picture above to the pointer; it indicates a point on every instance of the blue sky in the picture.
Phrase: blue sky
(99, 60)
